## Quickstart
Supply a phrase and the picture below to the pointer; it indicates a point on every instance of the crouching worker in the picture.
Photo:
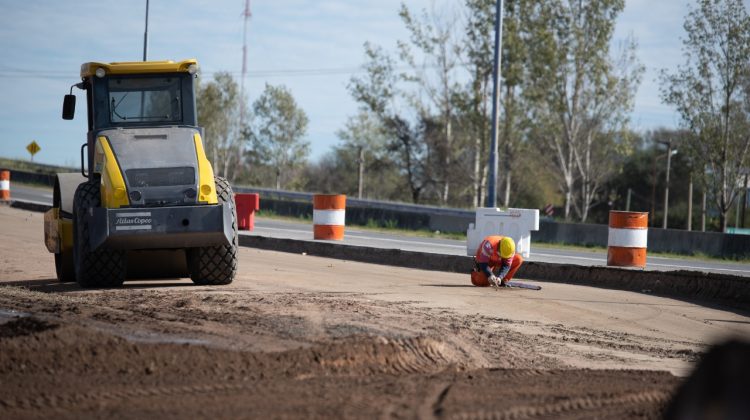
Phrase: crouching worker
(495, 262)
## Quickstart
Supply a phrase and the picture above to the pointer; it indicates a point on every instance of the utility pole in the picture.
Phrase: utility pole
(492, 187)
(670, 152)
(361, 176)
(145, 36)
(737, 215)
(744, 196)
(145, 57)
(703, 213)
(627, 201)
(652, 218)
(690, 202)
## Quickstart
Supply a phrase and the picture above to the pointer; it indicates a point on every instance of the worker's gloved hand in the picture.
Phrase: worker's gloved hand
(494, 281)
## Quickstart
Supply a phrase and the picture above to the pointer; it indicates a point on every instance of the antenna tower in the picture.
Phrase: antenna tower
(246, 14)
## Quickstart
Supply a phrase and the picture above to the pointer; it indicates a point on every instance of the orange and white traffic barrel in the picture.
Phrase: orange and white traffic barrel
(4, 185)
(628, 236)
(329, 214)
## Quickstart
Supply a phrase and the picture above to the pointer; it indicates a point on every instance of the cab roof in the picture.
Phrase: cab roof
(137, 67)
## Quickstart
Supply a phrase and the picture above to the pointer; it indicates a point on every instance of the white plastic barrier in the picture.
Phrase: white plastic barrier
(516, 223)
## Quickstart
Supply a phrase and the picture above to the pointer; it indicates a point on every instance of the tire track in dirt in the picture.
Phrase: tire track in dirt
(562, 338)
(575, 405)
(432, 404)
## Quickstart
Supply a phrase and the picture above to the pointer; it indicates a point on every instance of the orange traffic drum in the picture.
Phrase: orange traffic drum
(4, 185)
(329, 214)
(628, 236)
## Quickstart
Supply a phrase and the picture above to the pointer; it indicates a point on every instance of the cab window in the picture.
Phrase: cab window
(144, 100)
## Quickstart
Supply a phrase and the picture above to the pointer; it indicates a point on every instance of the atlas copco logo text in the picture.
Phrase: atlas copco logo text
(133, 221)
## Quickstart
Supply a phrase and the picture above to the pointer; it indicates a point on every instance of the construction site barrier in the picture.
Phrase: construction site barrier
(4, 185)
(246, 205)
(628, 238)
(329, 215)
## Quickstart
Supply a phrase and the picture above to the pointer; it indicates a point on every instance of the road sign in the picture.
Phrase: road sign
(33, 148)
(549, 210)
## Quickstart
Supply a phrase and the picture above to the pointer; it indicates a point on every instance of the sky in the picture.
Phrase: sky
(311, 47)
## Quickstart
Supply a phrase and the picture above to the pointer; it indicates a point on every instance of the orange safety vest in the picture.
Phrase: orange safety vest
(489, 252)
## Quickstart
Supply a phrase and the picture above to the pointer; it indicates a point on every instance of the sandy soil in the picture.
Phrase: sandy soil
(296, 335)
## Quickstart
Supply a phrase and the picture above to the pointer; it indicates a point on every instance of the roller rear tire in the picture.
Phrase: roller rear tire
(101, 268)
(216, 265)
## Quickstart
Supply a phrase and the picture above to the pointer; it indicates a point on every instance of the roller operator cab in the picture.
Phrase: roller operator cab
(146, 202)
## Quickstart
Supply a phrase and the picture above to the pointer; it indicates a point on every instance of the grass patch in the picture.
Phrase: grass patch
(28, 166)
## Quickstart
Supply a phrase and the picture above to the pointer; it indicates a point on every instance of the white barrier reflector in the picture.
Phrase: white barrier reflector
(628, 238)
(329, 217)
(4, 185)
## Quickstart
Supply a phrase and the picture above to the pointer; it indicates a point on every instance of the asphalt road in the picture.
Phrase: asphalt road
(33, 194)
(357, 237)
(541, 253)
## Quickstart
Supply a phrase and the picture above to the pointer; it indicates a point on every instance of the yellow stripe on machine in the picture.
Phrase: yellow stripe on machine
(114, 194)
(206, 183)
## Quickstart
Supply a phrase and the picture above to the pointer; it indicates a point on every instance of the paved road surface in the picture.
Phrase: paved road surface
(34, 194)
(354, 236)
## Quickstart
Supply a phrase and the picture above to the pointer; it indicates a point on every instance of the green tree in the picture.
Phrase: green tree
(475, 104)
(219, 105)
(513, 105)
(277, 130)
(475, 100)
(580, 97)
(711, 92)
(433, 36)
(377, 92)
(363, 142)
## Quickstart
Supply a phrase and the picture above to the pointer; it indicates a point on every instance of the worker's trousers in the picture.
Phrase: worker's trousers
(478, 278)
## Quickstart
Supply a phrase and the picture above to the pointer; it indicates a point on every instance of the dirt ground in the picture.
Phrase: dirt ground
(301, 336)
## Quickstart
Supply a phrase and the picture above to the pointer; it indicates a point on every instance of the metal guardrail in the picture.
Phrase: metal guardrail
(374, 204)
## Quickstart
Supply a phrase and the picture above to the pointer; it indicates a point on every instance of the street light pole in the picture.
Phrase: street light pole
(492, 187)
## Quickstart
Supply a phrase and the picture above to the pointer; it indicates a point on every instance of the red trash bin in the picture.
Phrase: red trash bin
(247, 205)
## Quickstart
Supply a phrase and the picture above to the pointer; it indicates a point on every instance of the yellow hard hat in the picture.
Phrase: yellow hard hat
(507, 247)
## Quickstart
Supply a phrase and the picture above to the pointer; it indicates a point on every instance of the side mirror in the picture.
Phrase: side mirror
(69, 107)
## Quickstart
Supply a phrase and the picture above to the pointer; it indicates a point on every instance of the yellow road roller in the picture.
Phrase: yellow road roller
(146, 203)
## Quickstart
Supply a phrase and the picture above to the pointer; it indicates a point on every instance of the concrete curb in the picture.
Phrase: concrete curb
(720, 289)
